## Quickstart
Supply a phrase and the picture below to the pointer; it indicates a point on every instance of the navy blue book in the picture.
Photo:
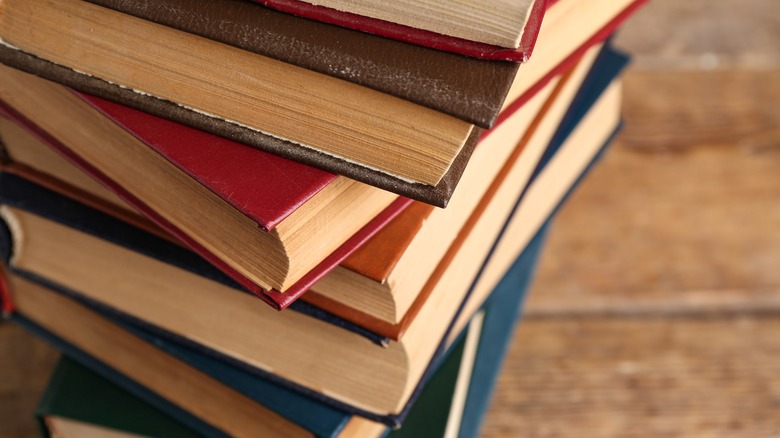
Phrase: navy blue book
(77, 394)
(27, 206)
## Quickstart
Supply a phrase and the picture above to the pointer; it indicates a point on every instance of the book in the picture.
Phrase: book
(465, 355)
(427, 36)
(254, 225)
(86, 268)
(278, 133)
(308, 334)
(502, 24)
(79, 402)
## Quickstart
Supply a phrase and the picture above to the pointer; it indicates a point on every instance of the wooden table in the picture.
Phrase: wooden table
(656, 310)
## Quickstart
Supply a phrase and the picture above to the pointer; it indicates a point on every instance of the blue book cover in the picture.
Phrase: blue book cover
(78, 393)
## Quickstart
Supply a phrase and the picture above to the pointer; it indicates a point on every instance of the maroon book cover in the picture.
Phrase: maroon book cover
(420, 37)
(263, 186)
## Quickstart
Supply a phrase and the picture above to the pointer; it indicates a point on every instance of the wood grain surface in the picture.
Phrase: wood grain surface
(683, 209)
(641, 377)
(656, 309)
(680, 35)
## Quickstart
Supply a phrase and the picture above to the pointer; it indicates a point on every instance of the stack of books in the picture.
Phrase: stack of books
(275, 218)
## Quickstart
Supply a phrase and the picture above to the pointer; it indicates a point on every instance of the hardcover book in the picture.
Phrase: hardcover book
(505, 24)
(80, 400)
(468, 356)
(456, 33)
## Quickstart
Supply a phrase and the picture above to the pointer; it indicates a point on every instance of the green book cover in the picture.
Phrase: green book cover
(428, 417)
(76, 393)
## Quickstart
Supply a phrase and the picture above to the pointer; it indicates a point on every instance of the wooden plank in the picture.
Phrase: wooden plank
(674, 111)
(653, 377)
(704, 34)
(681, 218)
(25, 365)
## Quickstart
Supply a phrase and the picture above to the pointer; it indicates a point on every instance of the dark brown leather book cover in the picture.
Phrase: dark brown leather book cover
(436, 195)
(466, 88)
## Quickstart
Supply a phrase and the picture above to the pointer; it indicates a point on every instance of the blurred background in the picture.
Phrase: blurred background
(656, 309)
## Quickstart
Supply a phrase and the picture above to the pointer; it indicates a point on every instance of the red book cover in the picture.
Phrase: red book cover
(420, 37)
(263, 186)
